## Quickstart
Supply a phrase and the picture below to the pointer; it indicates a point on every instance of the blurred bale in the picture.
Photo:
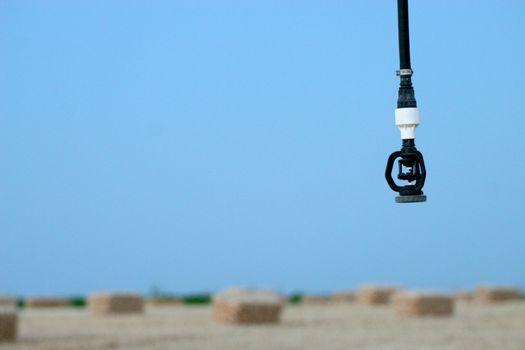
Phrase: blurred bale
(314, 299)
(488, 294)
(343, 297)
(376, 295)
(116, 303)
(464, 296)
(8, 324)
(247, 306)
(46, 302)
(423, 304)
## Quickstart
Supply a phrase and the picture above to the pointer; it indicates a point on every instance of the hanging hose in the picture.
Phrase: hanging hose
(404, 38)
(406, 97)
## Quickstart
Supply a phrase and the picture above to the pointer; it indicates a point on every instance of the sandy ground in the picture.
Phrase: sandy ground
(319, 327)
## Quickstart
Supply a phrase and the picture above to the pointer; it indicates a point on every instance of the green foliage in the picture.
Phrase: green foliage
(20, 303)
(295, 298)
(79, 302)
(196, 299)
(189, 299)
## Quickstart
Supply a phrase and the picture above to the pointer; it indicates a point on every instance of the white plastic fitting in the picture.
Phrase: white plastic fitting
(407, 119)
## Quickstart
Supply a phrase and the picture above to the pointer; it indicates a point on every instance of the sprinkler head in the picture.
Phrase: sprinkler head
(411, 168)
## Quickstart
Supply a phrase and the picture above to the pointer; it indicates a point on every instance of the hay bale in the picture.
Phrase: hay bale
(116, 303)
(245, 306)
(343, 297)
(423, 304)
(8, 325)
(376, 295)
(46, 302)
(488, 294)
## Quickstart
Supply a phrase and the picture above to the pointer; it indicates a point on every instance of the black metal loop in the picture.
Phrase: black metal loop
(388, 171)
(411, 159)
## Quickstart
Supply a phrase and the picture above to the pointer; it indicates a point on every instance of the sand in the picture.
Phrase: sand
(329, 326)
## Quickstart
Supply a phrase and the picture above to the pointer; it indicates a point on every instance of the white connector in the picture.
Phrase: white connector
(407, 119)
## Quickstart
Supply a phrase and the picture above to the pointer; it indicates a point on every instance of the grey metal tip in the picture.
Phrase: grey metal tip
(411, 199)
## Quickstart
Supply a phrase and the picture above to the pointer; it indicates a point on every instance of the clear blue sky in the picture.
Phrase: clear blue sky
(194, 145)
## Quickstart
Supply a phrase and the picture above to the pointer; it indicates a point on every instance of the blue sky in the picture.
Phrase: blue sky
(194, 145)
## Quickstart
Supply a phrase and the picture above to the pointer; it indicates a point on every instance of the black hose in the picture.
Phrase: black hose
(406, 97)
(404, 38)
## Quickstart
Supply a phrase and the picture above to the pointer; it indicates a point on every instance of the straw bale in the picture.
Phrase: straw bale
(8, 326)
(423, 304)
(376, 295)
(46, 302)
(116, 303)
(489, 294)
(245, 306)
